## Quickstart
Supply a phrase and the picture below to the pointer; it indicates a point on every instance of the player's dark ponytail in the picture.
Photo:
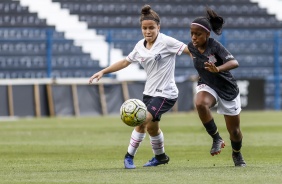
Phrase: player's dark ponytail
(215, 20)
(212, 21)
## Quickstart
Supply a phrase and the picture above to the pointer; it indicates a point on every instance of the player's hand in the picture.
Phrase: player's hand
(211, 67)
(96, 76)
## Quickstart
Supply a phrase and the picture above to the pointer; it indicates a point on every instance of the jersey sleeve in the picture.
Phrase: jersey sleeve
(133, 56)
(223, 53)
(174, 45)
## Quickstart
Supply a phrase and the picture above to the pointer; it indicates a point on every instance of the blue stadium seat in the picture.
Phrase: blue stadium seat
(253, 47)
(12, 7)
(256, 34)
(252, 72)
(28, 34)
(262, 60)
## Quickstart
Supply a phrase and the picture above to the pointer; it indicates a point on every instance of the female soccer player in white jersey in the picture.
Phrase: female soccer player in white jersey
(156, 53)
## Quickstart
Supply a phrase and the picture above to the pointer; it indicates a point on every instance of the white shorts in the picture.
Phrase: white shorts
(230, 108)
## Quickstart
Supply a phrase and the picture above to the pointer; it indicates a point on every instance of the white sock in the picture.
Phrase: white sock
(135, 141)
(157, 143)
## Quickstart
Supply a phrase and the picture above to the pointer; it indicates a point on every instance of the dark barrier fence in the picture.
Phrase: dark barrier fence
(56, 98)
(252, 94)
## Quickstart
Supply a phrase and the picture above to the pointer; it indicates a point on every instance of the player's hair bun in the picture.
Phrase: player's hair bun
(147, 13)
(146, 9)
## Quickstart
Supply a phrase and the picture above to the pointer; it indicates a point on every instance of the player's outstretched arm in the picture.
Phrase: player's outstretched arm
(110, 69)
(226, 66)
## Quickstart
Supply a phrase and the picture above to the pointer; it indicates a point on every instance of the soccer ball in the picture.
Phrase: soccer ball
(133, 112)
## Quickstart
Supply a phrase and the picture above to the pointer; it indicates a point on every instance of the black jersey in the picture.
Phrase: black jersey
(223, 82)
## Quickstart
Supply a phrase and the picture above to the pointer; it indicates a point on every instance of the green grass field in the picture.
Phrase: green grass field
(91, 150)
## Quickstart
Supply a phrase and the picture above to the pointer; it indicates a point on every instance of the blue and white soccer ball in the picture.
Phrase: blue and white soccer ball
(133, 112)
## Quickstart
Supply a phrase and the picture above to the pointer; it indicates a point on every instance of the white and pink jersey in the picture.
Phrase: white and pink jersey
(159, 64)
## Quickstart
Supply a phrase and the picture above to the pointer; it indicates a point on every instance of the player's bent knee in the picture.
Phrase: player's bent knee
(201, 106)
(236, 133)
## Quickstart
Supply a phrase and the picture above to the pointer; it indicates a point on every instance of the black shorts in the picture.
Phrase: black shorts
(158, 105)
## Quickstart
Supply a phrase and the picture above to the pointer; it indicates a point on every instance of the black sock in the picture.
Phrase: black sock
(161, 156)
(236, 146)
(211, 128)
(128, 155)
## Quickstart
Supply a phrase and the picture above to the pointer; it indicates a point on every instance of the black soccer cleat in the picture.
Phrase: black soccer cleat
(238, 160)
(155, 162)
(216, 146)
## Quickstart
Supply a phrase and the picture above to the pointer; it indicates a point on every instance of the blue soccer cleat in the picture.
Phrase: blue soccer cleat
(128, 163)
(155, 162)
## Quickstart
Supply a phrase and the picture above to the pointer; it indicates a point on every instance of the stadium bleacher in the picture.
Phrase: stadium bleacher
(23, 47)
(120, 20)
(253, 35)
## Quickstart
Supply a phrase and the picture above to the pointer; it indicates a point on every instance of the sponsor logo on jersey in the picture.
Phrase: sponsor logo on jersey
(212, 59)
(158, 57)
(158, 90)
(229, 57)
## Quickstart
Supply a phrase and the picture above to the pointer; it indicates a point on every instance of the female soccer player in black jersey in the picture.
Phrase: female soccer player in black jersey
(216, 85)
